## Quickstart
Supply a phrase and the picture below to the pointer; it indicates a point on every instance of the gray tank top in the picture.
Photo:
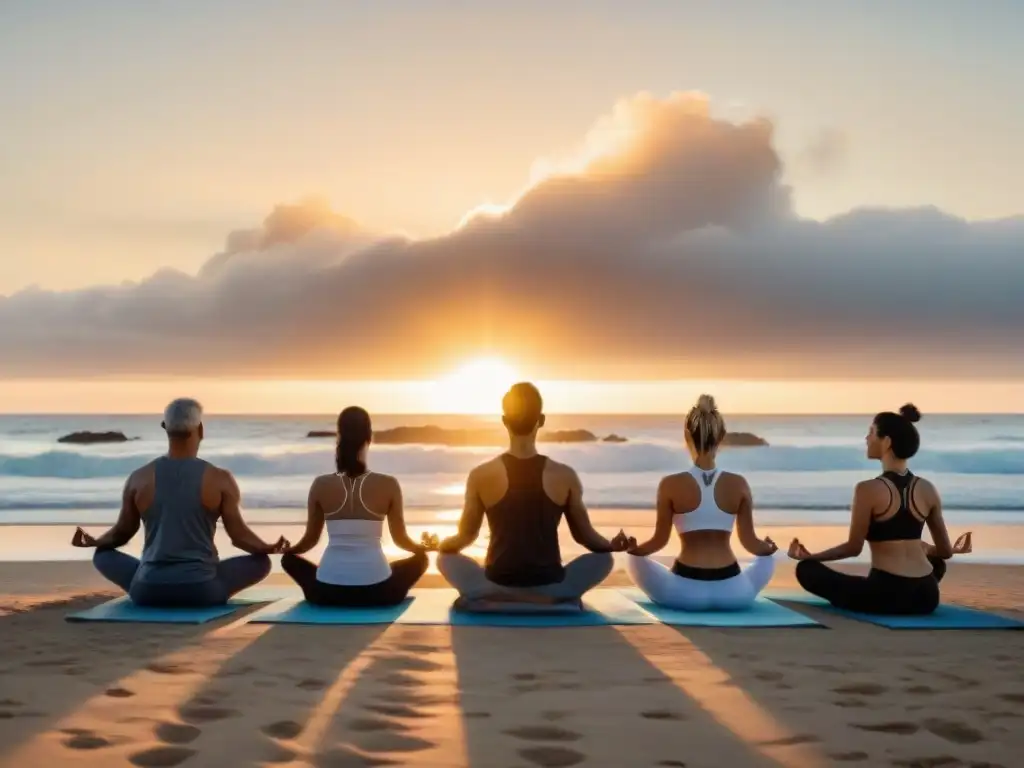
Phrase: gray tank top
(179, 531)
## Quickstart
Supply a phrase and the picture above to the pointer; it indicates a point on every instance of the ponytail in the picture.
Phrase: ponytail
(705, 424)
(354, 432)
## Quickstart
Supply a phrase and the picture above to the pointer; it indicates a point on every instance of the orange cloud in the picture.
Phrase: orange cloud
(666, 246)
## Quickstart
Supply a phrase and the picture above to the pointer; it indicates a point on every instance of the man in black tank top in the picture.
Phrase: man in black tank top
(524, 496)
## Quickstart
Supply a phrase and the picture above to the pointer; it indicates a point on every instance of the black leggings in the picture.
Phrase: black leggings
(878, 592)
(393, 590)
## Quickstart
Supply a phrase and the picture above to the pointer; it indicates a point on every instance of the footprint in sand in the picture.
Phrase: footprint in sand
(176, 733)
(372, 724)
(543, 733)
(241, 669)
(345, 757)
(1016, 698)
(161, 757)
(403, 680)
(192, 714)
(62, 662)
(900, 729)
(86, 741)
(942, 761)
(850, 703)
(168, 668)
(11, 703)
(770, 677)
(388, 742)
(789, 741)
(662, 714)
(420, 699)
(552, 757)
(409, 664)
(283, 729)
(118, 693)
(862, 689)
(848, 757)
(396, 710)
(919, 690)
(311, 684)
(672, 763)
(415, 648)
(950, 730)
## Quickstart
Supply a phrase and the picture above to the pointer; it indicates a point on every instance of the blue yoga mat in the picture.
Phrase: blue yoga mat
(298, 611)
(434, 607)
(944, 617)
(123, 609)
(763, 613)
(602, 607)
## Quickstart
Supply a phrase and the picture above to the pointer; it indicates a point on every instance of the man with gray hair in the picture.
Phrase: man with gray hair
(178, 498)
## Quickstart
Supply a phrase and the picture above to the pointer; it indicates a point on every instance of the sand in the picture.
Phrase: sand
(230, 693)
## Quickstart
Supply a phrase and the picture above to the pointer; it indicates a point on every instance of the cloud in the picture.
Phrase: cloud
(666, 247)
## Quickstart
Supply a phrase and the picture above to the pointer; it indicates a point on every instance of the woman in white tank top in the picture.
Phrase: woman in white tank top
(353, 504)
(703, 504)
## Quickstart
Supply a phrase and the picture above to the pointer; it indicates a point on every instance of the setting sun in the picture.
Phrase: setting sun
(476, 387)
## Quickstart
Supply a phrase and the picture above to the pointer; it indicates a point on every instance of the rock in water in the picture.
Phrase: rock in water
(88, 438)
(743, 440)
(487, 436)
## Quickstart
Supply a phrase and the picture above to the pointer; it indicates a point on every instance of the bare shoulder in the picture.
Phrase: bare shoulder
(144, 472)
(320, 482)
(675, 483)
(388, 483)
(561, 472)
(488, 469)
(925, 487)
(735, 482)
(873, 489)
(142, 476)
(221, 478)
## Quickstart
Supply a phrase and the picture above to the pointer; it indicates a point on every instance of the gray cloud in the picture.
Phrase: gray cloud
(674, 252)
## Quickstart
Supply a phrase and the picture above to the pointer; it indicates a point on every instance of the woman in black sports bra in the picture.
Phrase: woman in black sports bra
(890, 513)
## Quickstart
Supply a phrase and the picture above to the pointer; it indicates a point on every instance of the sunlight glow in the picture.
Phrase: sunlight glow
(484, 210)
(475, 387)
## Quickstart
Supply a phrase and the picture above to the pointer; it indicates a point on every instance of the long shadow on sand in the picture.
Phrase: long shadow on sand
(49, 668)
(861, 694)
(568, 696)
(273, 692)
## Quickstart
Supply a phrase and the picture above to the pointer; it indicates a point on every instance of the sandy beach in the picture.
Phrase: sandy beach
(230, 693)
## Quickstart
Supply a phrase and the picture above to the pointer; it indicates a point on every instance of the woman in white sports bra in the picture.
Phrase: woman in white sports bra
(353, 503)
(703, 504)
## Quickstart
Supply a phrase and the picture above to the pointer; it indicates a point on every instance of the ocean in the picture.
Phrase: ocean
(804, 477)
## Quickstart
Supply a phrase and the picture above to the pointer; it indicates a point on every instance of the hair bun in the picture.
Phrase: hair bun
(706, 404)
(910, 413)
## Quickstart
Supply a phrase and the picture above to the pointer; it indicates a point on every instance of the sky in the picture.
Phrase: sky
(280, 195)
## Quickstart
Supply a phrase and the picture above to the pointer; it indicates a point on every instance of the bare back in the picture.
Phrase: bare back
(684, 495)
(490, 480)
(883, 501)
(141, 487)
(368, 497)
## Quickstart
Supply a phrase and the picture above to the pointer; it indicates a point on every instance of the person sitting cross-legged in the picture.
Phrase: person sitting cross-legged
(524, 495)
